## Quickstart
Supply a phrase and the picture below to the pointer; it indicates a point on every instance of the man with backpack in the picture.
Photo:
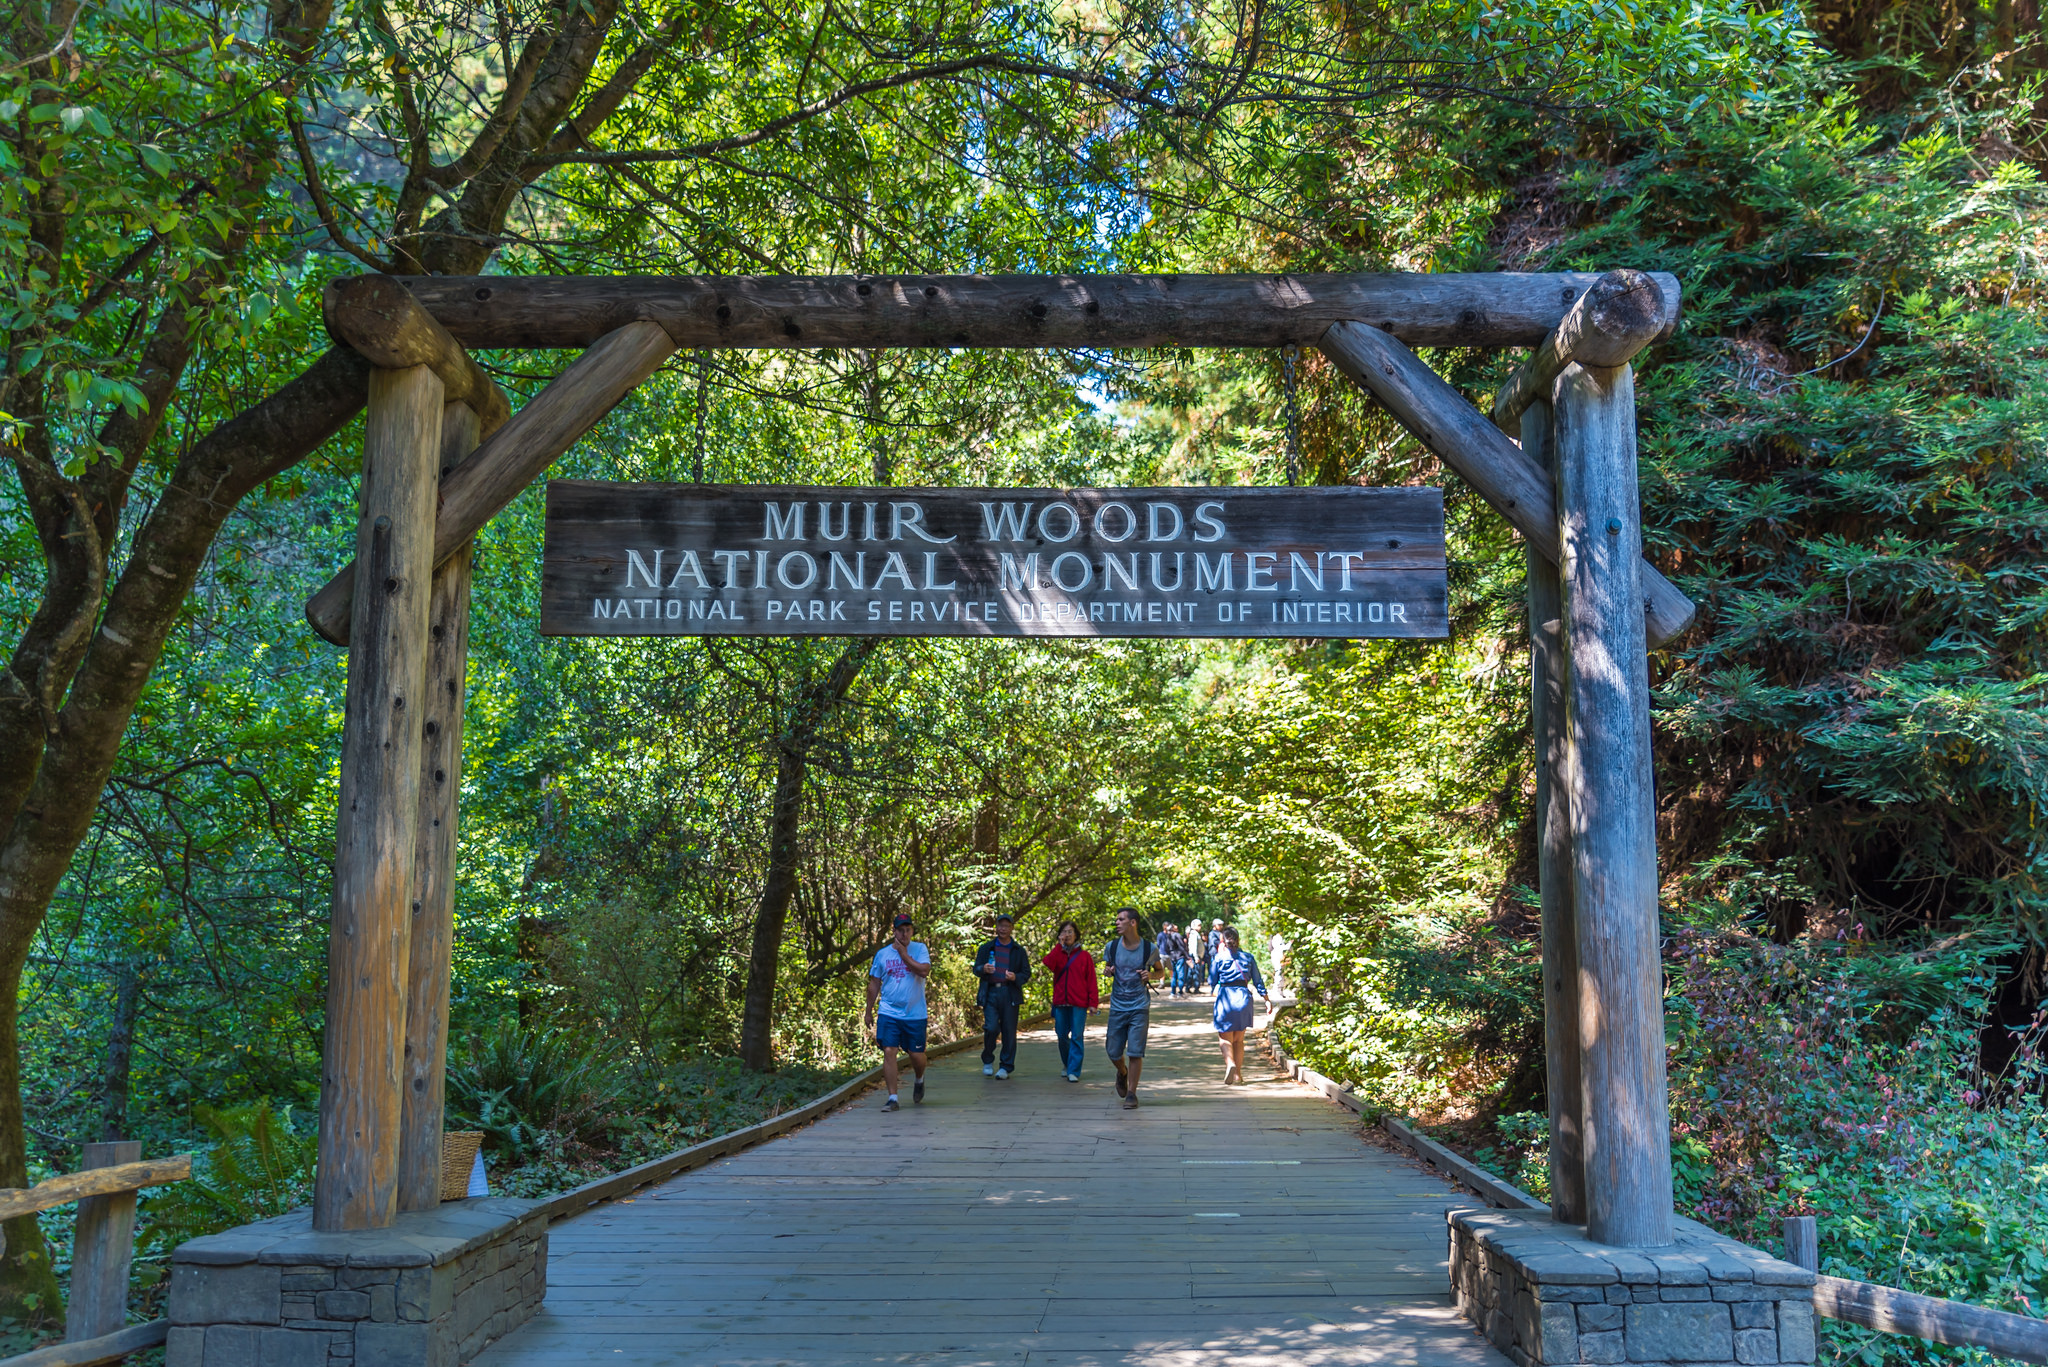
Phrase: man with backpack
(1004, 968)
(1132, 962)
(1168, 945)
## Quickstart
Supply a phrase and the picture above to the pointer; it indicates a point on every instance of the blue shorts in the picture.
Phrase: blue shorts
(892, 1032)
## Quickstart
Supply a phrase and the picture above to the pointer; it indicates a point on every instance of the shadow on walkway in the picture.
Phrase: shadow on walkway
(1028, 1221)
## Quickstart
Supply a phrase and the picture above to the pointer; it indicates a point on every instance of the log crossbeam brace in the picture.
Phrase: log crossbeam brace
(1469, 443)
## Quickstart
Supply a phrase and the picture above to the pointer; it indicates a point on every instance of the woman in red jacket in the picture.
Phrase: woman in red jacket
(1073, 995)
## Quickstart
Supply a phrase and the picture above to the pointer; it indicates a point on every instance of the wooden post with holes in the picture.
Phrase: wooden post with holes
(1612, 810)
(433, 912)
(361, 1087)
(1547, 674)
(102, 1249)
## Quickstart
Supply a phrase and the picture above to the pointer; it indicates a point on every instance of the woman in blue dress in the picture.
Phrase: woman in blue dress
(1233, 973)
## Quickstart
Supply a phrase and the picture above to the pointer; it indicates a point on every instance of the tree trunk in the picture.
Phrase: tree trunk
(813, 707)
(58, 763)
(120, 1050)
(771, 913)
(28, 1284)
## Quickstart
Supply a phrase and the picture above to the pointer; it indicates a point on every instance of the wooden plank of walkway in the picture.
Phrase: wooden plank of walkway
(1029, 1221)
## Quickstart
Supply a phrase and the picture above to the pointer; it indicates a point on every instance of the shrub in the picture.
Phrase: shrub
(1813, 1080)
(533, 1092)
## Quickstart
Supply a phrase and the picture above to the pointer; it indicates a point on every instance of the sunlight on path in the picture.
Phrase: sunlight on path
(1031, 1222)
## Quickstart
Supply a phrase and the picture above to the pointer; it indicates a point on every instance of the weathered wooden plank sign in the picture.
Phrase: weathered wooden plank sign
(787, 560)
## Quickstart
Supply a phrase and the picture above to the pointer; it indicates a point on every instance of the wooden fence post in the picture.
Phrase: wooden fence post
(102, 1249)
(1613, 812)
(1547, 672)
(1802, 1241)
(433, 913)
(361, 1090)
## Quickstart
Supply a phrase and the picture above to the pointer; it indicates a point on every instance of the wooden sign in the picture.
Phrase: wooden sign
(787, 560)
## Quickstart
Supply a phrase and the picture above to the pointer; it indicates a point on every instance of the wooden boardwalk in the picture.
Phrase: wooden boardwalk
(1029, 1221)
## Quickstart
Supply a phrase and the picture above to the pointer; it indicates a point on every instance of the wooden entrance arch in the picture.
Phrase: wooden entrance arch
(444, 453)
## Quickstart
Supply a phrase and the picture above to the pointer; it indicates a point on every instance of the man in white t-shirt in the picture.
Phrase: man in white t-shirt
(896, 980)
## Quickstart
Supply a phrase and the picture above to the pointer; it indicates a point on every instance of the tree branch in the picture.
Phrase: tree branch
(322, 205)
(938, 71)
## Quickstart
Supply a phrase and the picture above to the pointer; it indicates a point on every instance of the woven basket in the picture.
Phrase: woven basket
(458, 1157)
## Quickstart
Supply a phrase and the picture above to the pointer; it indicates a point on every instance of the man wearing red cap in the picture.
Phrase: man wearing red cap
(896, 980)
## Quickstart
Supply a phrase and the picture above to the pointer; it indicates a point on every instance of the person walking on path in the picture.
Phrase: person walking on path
(1173, 953)
(1132, 962)
(896, 982)
(1233, 973)
(1073, 996)
(1004, 968)
(1215, 945)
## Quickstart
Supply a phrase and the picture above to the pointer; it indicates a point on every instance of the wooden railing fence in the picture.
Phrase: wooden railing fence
(1884, 1308)
(1892, 1311)
(102, 1251)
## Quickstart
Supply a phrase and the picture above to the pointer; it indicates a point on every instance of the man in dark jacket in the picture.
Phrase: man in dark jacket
(1173, 951)
(1004, 968)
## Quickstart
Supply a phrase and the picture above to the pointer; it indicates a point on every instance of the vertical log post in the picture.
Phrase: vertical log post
(361, 1087)
(1547, 672)
(102, 1249)
(1802, 1241)
(1612, 811)
(433, 910)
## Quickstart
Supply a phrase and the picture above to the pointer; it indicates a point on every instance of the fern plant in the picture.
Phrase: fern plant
(258, 1166)
(533, 1092)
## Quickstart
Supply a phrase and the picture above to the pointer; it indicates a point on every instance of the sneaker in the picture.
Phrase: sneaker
(988, 1070)
(1131, 1101)
(1232, 1077)
(892, 1104)
(1073, 1077)
(1122, 1084)
(1002, 1072)
(917, 1092)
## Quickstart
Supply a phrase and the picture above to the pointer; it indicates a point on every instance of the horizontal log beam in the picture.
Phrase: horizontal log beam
(73, 1186)
(1492, 309)
(1954, 1323)
(97, 1352)
(1471, 445)
(1624, 312)
(516, 454)
(378, 317)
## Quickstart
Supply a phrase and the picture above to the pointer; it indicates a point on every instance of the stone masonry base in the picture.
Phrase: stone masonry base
(431, 1291)
(1544, 1293)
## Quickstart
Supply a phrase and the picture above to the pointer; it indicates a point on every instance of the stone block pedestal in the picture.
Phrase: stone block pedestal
(1543, 1293)
(433, 1290)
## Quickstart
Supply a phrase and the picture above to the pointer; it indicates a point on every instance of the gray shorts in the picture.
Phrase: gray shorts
(1125, 1035)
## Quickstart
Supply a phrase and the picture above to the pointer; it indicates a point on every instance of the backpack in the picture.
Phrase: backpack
(1148, 956)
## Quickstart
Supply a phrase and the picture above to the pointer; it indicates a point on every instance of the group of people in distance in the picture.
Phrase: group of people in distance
(1131, 961)
(1187, 951)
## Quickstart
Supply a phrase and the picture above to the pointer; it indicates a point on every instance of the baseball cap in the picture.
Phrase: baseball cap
(1003, 916)
(901, 920)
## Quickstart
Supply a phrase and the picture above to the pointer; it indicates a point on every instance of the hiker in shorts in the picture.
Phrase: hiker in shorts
(896, 981)
(1132, 961)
